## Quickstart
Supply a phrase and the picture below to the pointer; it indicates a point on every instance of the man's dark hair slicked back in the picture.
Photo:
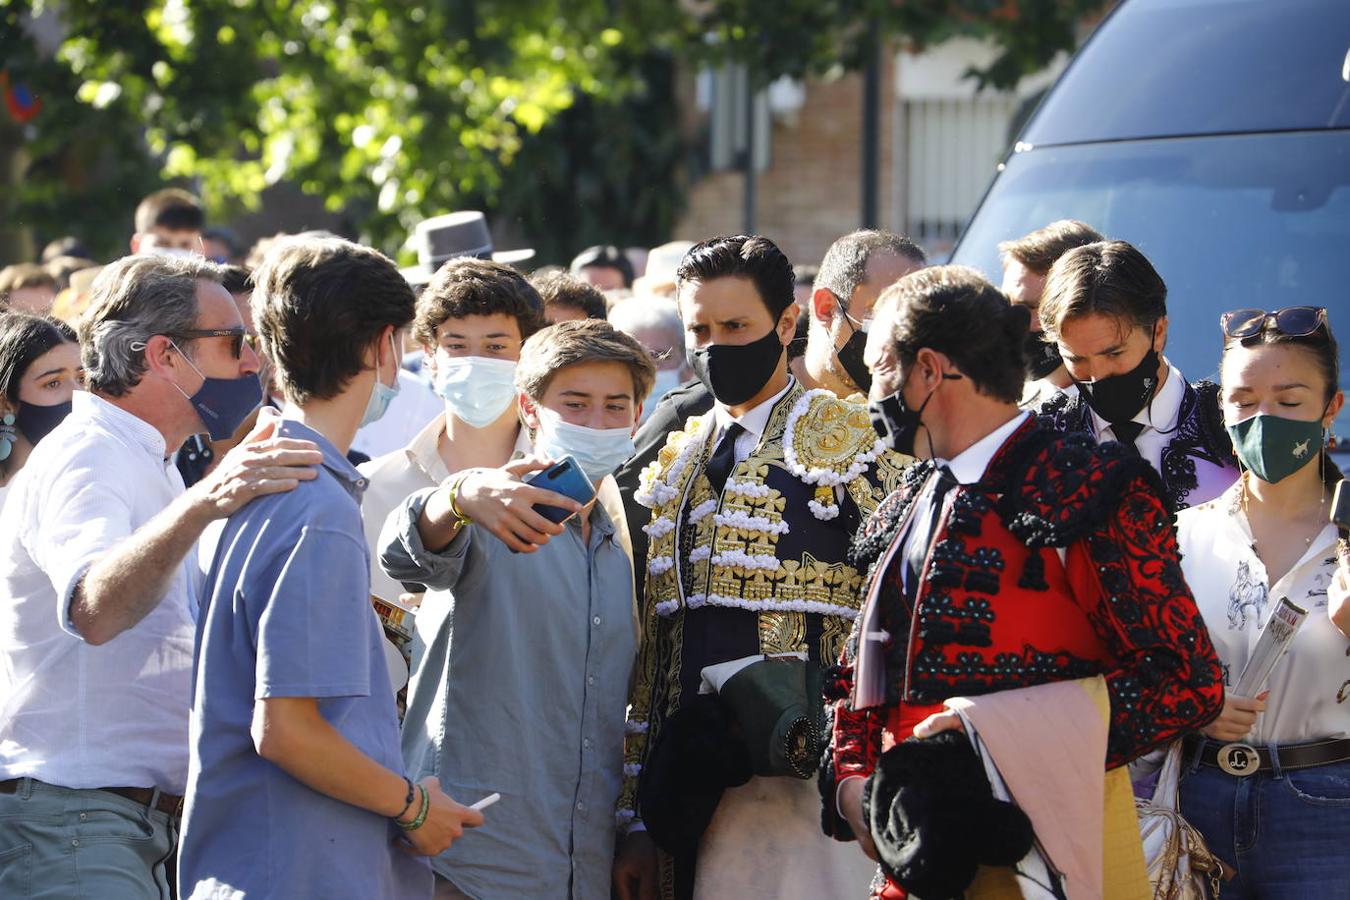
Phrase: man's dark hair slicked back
(742, 256)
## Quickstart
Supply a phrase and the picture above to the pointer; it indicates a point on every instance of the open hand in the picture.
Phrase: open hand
(262, 464)
(938, 723)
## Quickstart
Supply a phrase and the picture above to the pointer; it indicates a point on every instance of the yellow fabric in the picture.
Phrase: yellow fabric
(994, 883)
(1124, 873)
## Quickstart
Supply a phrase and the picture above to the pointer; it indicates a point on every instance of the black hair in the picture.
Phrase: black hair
(606, 256)
(236, 279)
(1322, 347)
(570, 292)
(744, 256)
(1110, 278)
(466, 286)
(64, 246)
(171, 208)
(23, 338)
(955, 311)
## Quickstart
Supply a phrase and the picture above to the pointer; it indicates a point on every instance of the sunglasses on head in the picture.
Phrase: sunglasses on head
(1292, 321)
(237, 337)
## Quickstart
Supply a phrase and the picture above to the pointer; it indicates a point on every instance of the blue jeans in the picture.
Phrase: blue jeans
(62, 844)
(1287, 834)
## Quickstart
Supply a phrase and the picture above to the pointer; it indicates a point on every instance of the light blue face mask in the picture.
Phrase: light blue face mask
(381, 395)
(599, 451)
(476, 389)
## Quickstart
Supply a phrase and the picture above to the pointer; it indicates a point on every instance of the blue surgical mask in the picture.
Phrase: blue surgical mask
(599, 451)
(381, 395)
(476, 389)
(223, 403)
(36, 422)
(667, 380)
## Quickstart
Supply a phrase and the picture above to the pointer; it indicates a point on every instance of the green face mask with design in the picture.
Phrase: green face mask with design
(1274, 447)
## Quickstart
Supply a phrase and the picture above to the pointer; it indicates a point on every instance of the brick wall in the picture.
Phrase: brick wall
(811, 192)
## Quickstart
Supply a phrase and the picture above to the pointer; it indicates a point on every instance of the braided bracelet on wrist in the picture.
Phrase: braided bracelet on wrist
(421, 815)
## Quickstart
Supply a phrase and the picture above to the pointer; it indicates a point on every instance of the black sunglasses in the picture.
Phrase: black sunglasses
(1292, 321)
(237, 335)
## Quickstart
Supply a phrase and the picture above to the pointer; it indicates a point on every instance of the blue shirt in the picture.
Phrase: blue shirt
(285, 613)
(520, 678)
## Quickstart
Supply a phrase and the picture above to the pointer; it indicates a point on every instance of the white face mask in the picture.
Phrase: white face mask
(599, 451)
(476, 389)
(667, 380)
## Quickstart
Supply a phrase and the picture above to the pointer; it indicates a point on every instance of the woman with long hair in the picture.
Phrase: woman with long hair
(1268, 781)
(39, 371)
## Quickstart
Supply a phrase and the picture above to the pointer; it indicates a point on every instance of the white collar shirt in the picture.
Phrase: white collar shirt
(967, 467)
(1159, 418)
(1308, 689)
(754, 422)
(74, 714)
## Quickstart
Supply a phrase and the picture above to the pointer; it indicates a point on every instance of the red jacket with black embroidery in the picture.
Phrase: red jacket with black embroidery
(1060, 563)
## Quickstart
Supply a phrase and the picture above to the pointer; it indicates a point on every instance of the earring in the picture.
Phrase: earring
(8, 435)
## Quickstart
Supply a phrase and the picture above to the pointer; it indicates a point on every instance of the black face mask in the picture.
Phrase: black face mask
(896, 424)
(736, 372)
(1118, 398)
(36, 422)
(1042, 356)
(851, 358)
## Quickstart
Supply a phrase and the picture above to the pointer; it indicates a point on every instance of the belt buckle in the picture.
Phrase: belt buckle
(1239, 759)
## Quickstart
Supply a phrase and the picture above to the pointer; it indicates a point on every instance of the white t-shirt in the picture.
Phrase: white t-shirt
(1310, 686)
(73, 714)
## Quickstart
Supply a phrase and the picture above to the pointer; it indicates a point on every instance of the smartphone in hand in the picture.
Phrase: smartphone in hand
(563, 477)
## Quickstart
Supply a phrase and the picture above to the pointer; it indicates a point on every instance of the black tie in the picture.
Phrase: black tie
(1127, 433)
(921, 535)
(723, 459)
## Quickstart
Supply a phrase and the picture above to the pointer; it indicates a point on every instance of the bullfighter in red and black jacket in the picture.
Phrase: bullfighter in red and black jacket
(1059, 562)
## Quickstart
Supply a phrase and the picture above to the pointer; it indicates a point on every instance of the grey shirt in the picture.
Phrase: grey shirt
(520, 681)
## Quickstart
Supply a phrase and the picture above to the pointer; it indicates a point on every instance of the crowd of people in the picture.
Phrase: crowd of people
(673, 573)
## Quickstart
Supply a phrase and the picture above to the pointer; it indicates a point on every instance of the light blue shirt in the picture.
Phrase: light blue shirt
(285, 613)
(520, 683)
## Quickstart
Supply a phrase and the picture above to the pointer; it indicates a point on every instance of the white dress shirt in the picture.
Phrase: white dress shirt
(74, 714)
(1159, 418)
(1310, 685)
(754, 422)
(967, 467)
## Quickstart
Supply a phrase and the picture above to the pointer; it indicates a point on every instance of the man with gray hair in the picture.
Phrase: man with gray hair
(656, 325)
(95, 543)
(855, 270)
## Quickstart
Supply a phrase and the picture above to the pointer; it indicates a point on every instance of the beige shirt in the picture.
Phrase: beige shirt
(395, 477)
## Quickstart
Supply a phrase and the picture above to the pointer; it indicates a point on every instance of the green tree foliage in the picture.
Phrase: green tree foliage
(558, 113)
